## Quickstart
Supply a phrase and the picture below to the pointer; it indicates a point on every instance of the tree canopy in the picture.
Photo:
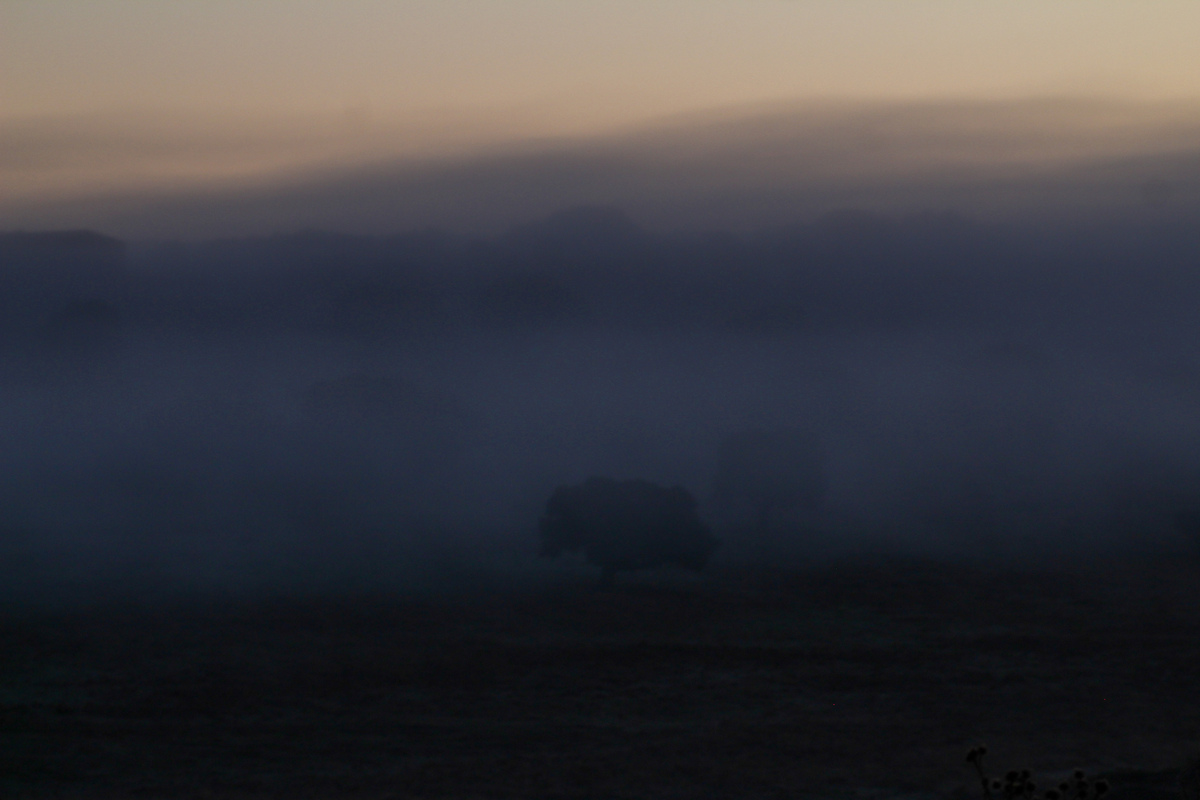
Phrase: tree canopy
(626, 525)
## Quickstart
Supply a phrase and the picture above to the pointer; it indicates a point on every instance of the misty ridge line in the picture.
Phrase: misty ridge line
(739, 169)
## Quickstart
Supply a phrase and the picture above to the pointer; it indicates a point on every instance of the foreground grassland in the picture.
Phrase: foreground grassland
(859, 679)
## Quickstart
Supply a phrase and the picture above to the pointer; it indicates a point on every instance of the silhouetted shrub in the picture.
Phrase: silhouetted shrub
(626, 525)
(1019, 784)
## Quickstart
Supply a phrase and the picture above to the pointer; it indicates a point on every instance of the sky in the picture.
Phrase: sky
(382, 267)
(130, 97)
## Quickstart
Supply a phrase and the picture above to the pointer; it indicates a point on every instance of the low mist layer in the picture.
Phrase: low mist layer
(325, 412)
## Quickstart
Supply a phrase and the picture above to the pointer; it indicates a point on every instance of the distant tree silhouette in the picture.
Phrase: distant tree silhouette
(769, 472)
(626, 525)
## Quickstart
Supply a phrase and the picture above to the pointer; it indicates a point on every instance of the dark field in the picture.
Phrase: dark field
(863, 679)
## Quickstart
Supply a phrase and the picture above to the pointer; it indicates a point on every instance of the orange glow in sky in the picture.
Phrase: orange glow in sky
(589, 64)
(129, 94)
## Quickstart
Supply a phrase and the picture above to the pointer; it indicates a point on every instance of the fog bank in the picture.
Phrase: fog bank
(325, 412)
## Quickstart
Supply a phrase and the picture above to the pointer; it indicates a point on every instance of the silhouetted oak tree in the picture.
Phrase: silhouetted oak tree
(626, 525)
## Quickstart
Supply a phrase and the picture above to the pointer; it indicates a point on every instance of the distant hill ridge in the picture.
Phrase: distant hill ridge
(54, 239)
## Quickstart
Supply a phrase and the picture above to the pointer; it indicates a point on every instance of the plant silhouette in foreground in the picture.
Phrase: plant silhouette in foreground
(1019, 785)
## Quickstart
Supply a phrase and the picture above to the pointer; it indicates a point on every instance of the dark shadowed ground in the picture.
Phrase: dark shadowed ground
(861, 679)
